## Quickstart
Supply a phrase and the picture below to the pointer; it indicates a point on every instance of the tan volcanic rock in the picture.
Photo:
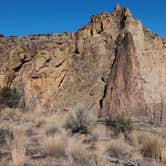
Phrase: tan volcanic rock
(113, 65)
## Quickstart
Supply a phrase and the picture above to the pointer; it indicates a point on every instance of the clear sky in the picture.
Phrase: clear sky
(24, 17)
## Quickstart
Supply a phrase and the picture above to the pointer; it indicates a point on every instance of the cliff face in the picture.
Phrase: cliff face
(113, 66)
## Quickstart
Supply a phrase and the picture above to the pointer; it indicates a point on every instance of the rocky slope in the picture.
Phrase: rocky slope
(113, 65)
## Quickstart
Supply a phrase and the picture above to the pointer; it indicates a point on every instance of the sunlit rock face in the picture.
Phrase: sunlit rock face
(113, 65)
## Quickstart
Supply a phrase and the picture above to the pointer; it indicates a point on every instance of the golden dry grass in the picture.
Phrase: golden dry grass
(10, 113)
(55, 145)
(18, 156)
(153, 146)
(163, 154)
(70, 149)
(149, 144)
(119, 149)
(20, 138)
(17, 147)
(100, 132)
(50, 121)
(76, 150)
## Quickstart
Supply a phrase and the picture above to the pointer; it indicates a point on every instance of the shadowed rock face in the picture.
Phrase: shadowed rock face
(112, 65)
(123, 91)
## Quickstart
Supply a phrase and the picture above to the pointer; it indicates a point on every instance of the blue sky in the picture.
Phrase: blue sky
(24, 17)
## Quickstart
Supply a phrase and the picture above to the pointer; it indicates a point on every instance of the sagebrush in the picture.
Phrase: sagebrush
(79, 120)
(119, 124)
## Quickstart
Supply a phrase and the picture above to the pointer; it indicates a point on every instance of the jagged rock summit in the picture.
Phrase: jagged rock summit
(113, 66)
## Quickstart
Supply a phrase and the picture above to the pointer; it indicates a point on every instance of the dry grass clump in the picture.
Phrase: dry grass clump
(153, 146)
(17, 147)
(55, 145)
(119, 149)
(100, 132)
(55, 123)
(19, 139)
(18, 156)
(80, 154)
(11, 113)
(135, 138)
(77, 151)
(149, 144)
(163, 154)
(52, 122)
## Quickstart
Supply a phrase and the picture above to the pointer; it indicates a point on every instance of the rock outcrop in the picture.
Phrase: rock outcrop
(113, 65)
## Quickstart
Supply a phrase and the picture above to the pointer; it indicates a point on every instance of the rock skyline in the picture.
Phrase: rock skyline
(113, 65)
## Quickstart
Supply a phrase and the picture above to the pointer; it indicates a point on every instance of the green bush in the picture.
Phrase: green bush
(9, 97)
(119, 124)
(79, 120)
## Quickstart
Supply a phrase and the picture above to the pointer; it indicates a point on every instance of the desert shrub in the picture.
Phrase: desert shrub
(9, 97)
(79, 120)
(119, 124)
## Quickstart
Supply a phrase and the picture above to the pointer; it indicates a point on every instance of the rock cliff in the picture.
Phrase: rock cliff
(113, 66)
